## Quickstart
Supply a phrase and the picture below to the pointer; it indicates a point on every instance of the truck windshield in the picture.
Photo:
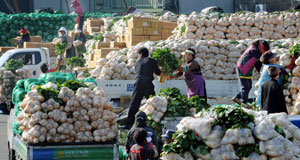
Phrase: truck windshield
(4, 58)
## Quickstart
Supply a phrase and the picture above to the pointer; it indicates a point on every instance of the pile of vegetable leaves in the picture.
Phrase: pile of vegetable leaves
(75, 62)
(230, 117)
(74, 85)
(295, 51)
(49, 93)
(166, 60)
(60, 48)
(186, 141)
(179, 105)
(13, 65)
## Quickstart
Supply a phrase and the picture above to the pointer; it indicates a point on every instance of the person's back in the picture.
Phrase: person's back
(272, 98)
(145, 67)
(140, 150)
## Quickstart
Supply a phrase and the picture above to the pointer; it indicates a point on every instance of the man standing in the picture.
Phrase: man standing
(145, 67)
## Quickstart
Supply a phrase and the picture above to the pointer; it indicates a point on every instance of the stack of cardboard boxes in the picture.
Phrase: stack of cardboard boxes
(50, 46)
(144, 29)
(33, 39)
(94, 25)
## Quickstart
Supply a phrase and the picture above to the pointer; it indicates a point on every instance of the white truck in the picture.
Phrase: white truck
(32, 58)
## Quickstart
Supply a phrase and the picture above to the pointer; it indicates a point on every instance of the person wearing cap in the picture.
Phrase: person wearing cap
(192, 75)
(45, 68)
(79, 11)
(140, 123)
(145, 68)
(272, 98)
(249, 60)
(25, 36)
(79, 36)
(142, 150)
(268, 59)
(167, 137)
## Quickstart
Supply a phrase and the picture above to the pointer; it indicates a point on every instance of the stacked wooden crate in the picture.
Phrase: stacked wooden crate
(33, 39)
(49, 45)
(94, 25)
(4, 49)
(144, 29)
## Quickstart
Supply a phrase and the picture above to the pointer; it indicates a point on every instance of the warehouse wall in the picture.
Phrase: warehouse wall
(87, 5)
(271, 5)
(188, 6)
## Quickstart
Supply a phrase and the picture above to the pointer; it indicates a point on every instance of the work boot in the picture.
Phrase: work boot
(236, 100)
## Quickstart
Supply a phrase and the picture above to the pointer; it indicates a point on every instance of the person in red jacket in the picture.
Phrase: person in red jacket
(44, 69)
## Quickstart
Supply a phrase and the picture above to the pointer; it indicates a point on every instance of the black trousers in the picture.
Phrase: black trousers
(141, 88)
(80, 25)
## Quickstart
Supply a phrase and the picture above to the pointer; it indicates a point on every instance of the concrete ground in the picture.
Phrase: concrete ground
(3, 137)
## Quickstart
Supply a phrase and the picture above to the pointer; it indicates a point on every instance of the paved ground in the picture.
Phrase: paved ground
(3, 137)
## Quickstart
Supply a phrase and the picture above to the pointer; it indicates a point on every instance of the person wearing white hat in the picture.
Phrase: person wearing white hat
(79, 42)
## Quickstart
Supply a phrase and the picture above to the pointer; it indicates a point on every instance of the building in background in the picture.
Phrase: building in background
(266, 5)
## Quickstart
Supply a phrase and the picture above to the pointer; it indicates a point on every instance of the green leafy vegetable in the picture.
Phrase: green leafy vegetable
(166, 60)
(49, 93)
(74, 85)
(230, 117)
(295, 51)
(13, 65)
(76, 62)
(246, 150)
(60, 48)
(182, 30)
(279, 130)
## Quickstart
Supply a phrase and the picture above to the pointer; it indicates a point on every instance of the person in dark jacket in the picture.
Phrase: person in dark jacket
(143, 87)
(141, 150)
(140, 122)
(272, 98)
(249, 60)
(25, 36)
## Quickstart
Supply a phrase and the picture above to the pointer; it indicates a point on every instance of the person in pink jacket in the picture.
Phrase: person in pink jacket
(249, 60)
(80, 16)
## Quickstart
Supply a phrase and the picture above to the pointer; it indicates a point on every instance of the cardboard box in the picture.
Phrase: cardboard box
(124, 101)
(91, 64)
(152, 31)
(31, 45)
(155, 38)
(135, 31)
(4, 49)
(169, 25)
(93, 29)
(94, 22)
(131, 44)
(36, 39)
(102, 53)
(156, 24)
(91, 57)
(138, 39)
(15, 40)
(115, 44)
(137, 22)
(166, 33)
(100, 45)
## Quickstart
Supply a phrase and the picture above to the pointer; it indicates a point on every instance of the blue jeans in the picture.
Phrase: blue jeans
(245, 87)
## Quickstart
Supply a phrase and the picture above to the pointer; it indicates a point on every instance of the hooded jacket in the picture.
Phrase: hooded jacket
(140, 122)
(247, 62)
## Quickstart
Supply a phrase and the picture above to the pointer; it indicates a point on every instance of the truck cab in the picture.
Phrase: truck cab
(32, 58)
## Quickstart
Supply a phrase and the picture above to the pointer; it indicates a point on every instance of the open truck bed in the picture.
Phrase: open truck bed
(20, 150)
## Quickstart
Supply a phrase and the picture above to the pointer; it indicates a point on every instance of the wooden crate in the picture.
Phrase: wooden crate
(15, 40)
(152, 31)
(115, 44)
(93, 29)
(100, 45)
(129, 38)
(31, 45)
(156, 24)
(4, 49)
(155, 38)
(36, 39)
(131, 44)
(91, 57)
(135, 31)
(102, 53)
(138, 22)
(166, 33)
(169, 25)
(94, 22)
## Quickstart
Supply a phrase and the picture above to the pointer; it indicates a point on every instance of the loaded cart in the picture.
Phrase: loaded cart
(20, 150)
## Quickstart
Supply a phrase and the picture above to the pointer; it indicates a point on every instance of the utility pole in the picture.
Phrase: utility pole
(67, 4)
(124, 1)
(16, 4)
